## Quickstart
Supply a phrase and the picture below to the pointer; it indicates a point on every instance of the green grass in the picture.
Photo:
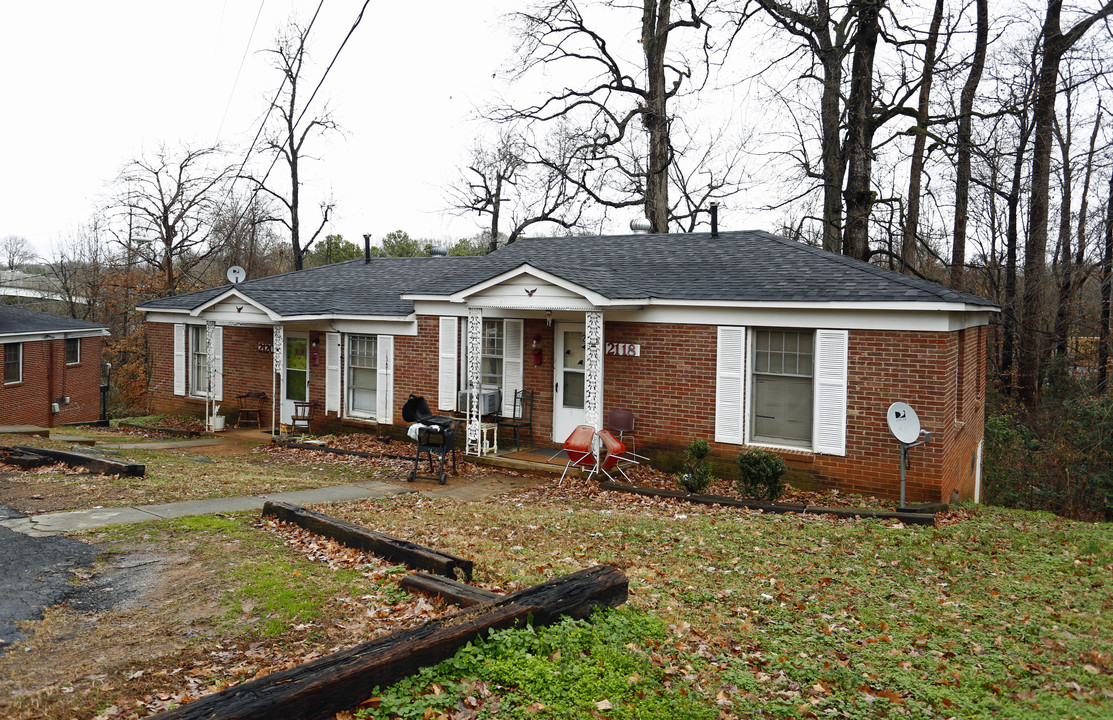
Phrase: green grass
(564, 671)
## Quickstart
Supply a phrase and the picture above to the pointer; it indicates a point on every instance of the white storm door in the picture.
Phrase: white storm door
(295, 376)
(568, 379)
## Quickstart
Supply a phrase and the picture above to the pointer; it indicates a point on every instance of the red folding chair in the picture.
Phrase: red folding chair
(580, 449)
(614, 453)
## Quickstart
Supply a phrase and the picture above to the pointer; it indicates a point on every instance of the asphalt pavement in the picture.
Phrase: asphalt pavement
(35, 573)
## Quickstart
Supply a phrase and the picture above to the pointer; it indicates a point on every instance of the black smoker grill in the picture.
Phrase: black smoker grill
(441, 438)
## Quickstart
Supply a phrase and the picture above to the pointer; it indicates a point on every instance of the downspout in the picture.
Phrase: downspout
(50, 395)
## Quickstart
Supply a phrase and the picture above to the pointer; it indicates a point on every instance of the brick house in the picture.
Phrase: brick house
(52, 368)
(741, 338)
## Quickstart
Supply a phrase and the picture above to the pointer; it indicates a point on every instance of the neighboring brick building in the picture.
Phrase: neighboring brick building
(743, 338)
(52, 368)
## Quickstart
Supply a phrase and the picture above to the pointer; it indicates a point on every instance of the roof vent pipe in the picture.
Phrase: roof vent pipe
(714, 219)
(367, 249)
(640, 226)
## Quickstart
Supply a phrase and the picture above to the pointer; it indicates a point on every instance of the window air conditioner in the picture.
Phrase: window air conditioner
(490, 401)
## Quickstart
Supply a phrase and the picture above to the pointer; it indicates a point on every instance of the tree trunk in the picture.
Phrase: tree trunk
(833, 167)
(1055, 44)
(655, 37)
(916, 166)
(966, 146)
(496, 208)
(1106, 300)
(1063, 254)
(859, 195)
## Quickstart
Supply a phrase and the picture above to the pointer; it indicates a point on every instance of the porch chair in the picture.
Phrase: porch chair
(622, 422)
(580, 449)
(251, 409)
(614, 453)
(520, 419)
(301, 414)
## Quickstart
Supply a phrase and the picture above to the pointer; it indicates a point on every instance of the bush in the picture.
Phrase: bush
(695, 476)
(759, 474)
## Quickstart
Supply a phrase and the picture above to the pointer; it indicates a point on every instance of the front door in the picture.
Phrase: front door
(569, 379)
(295, 379)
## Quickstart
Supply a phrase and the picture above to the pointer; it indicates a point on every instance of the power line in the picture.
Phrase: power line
(239, 70)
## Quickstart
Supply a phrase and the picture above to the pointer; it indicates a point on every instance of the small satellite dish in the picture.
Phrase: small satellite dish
(236, 274)
(903, 422)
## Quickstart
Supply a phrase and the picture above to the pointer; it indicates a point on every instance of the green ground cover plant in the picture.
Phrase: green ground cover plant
(1005, 615)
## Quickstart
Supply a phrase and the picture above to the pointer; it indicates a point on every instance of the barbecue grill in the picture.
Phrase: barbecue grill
(433, 433)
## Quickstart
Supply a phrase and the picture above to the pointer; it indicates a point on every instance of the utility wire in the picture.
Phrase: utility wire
(239, 70)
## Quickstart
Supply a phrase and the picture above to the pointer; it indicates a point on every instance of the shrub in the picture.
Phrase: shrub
(759, 474)
(695, 476)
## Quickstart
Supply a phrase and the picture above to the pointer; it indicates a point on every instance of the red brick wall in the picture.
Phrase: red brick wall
(670, 388)
(245, 369)
(46, 378)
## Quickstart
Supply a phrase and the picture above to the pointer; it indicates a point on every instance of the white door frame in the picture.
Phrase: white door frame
(565, 420)
(287, 410)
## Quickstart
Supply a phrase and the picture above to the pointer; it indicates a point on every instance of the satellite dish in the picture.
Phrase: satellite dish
(236, 274)
(903, 422)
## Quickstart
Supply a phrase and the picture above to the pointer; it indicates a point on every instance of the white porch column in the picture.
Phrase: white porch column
(474, 444)
(279, 357)
(210, 407)
(593, 369)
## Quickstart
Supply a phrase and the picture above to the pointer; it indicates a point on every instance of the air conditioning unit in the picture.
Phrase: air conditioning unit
(490, 401)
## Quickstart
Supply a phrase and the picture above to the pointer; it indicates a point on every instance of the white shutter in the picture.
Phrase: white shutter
(831, 360)
(464, 381)
(512, 332)
(385, 373)
(179, 359)
(446, 369)
(332, 372)
(218, 363)
(730, 385)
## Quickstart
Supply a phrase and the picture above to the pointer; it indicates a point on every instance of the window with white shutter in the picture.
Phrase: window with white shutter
(511, 363)
(832, 348)
(446, 366)
(730, 385)
(385, 382)
(179, 359)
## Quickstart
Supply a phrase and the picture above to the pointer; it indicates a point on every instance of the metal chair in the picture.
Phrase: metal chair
(251, 409)
(613, 453)
(520, 419)
(580, 449)
(622, 422)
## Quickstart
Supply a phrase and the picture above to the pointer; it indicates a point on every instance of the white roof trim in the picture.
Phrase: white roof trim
(38, 335)
(524, 269)
(230, 294)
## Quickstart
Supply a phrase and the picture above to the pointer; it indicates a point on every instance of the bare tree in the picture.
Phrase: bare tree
(169, 200)
(1055, 44)
(614, 100)
(16, 251)
(513, 185)
(965, 143)
(287, 137)
(1106, 288)
(826, 35)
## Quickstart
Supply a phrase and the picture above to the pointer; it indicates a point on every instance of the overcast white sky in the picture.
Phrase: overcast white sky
(89, 85)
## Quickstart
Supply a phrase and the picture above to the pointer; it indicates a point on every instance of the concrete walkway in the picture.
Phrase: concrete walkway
(64, 522)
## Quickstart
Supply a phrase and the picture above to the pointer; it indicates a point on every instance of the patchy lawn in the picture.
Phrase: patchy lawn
(995, 614)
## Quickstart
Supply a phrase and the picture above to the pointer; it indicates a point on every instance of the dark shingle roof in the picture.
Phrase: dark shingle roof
(15, 320)
(736, 266)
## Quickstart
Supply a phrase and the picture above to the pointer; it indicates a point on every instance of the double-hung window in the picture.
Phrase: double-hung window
(73, 351)
(490, 372)
(782, 387)
(198, 361)
(362, 375)
(13, 363)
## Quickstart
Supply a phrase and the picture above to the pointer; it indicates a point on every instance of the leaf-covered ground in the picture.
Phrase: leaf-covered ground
(991, 613)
